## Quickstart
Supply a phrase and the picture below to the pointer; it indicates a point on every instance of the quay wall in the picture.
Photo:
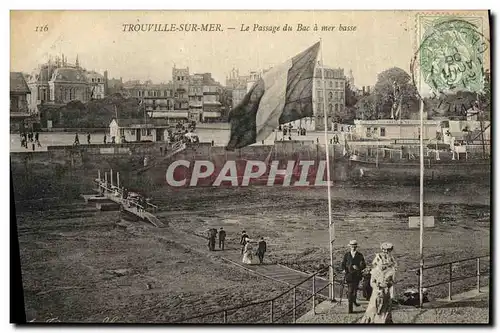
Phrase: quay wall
(68, 171)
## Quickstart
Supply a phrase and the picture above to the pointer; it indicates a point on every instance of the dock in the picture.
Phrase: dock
(111, 197)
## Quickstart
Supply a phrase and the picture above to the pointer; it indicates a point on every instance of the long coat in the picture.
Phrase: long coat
(353, 275)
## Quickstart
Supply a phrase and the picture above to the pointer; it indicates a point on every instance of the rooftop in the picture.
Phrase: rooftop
(18, 83)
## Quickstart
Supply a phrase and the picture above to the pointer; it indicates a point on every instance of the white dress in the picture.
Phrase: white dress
(249, 257)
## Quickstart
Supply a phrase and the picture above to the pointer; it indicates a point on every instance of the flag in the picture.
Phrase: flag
(281, 95)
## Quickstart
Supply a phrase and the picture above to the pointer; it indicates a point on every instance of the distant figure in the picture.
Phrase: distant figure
(113, 140)
(77, 140)
(213, 143)
(33, 145)
(243, 240)
(222, 238)
(37, 137)
(212, 234)
(353, 265)
(161, 151)
(261, 250)
(317, 140)
(88, 138)
(289, 138)
(104, 138)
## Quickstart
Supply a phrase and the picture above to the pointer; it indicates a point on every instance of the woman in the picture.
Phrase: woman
(382, 280)
(248, 255)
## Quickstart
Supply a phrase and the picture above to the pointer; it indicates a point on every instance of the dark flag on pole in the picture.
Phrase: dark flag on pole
(281, 95)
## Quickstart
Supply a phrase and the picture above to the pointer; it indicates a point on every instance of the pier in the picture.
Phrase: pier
(110, 196)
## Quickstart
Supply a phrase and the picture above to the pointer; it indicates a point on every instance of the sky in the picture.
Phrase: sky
(382, 39)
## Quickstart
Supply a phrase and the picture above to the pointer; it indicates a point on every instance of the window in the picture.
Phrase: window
(331, 84)
(148, 131)
(375, 130)
(368, 132)
(382, 131)
(330, 94)
(336, 84)
(122, 132)
(330, 107)
(336, 108)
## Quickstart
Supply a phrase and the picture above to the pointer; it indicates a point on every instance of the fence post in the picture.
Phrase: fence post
(225, 317)
(449, 281)
(314, 294)
(272, 310)
(294, 303)
(478, 275)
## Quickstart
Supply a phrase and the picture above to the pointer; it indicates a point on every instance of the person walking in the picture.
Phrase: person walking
(261, 249)
(379, 310)
(37, 139)
(77, 140)
(222, 238)
(243, 240)
(88, 138)
(104, 138)
(353, 265)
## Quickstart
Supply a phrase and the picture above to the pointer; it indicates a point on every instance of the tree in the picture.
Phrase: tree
(365, 108)
(384, 93)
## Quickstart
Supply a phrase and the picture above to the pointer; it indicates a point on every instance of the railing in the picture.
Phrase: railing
(273, 302)
(451, 267)
(114, 189)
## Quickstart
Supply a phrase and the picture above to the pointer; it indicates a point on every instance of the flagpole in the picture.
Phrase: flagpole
(420, 278)
(331, 227)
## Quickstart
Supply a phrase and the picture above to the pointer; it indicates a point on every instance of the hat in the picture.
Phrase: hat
(386, 246)
(353, 242)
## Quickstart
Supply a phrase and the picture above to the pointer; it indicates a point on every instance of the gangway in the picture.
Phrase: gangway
(116, 194)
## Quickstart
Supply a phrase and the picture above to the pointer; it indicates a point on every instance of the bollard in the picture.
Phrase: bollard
(225, 317)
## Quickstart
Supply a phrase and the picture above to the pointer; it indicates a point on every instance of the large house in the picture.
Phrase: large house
(19, 92)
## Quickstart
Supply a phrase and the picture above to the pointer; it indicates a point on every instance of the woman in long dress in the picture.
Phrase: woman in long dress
(248, 256)
(382, 280)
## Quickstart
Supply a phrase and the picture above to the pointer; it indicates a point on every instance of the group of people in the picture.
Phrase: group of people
(381, 279)
(250, 255)
(30, 137)
(212, 236)
(247, 249)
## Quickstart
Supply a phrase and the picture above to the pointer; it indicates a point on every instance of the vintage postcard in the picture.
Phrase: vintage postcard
(277, 167)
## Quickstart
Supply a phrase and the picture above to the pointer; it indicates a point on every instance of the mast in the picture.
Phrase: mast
(420, 277)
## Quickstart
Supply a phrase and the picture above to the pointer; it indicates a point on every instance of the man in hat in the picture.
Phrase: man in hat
(353, 265)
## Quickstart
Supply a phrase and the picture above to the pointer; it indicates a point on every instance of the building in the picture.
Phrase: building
(58, 82)
(97, 85)
(19, 91)
(333, 89)
(235, 80)
(195, 95)
(212, 107)
(388, 129)
(238, 94)
(253, 78)
(137, 130)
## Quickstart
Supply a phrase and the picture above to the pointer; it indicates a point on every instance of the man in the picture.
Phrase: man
(77, 140)
(261, 249)
(212, 234)
(222, 238)
(353, 265)
(88, 138)
(243, 240)
(104, 138)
